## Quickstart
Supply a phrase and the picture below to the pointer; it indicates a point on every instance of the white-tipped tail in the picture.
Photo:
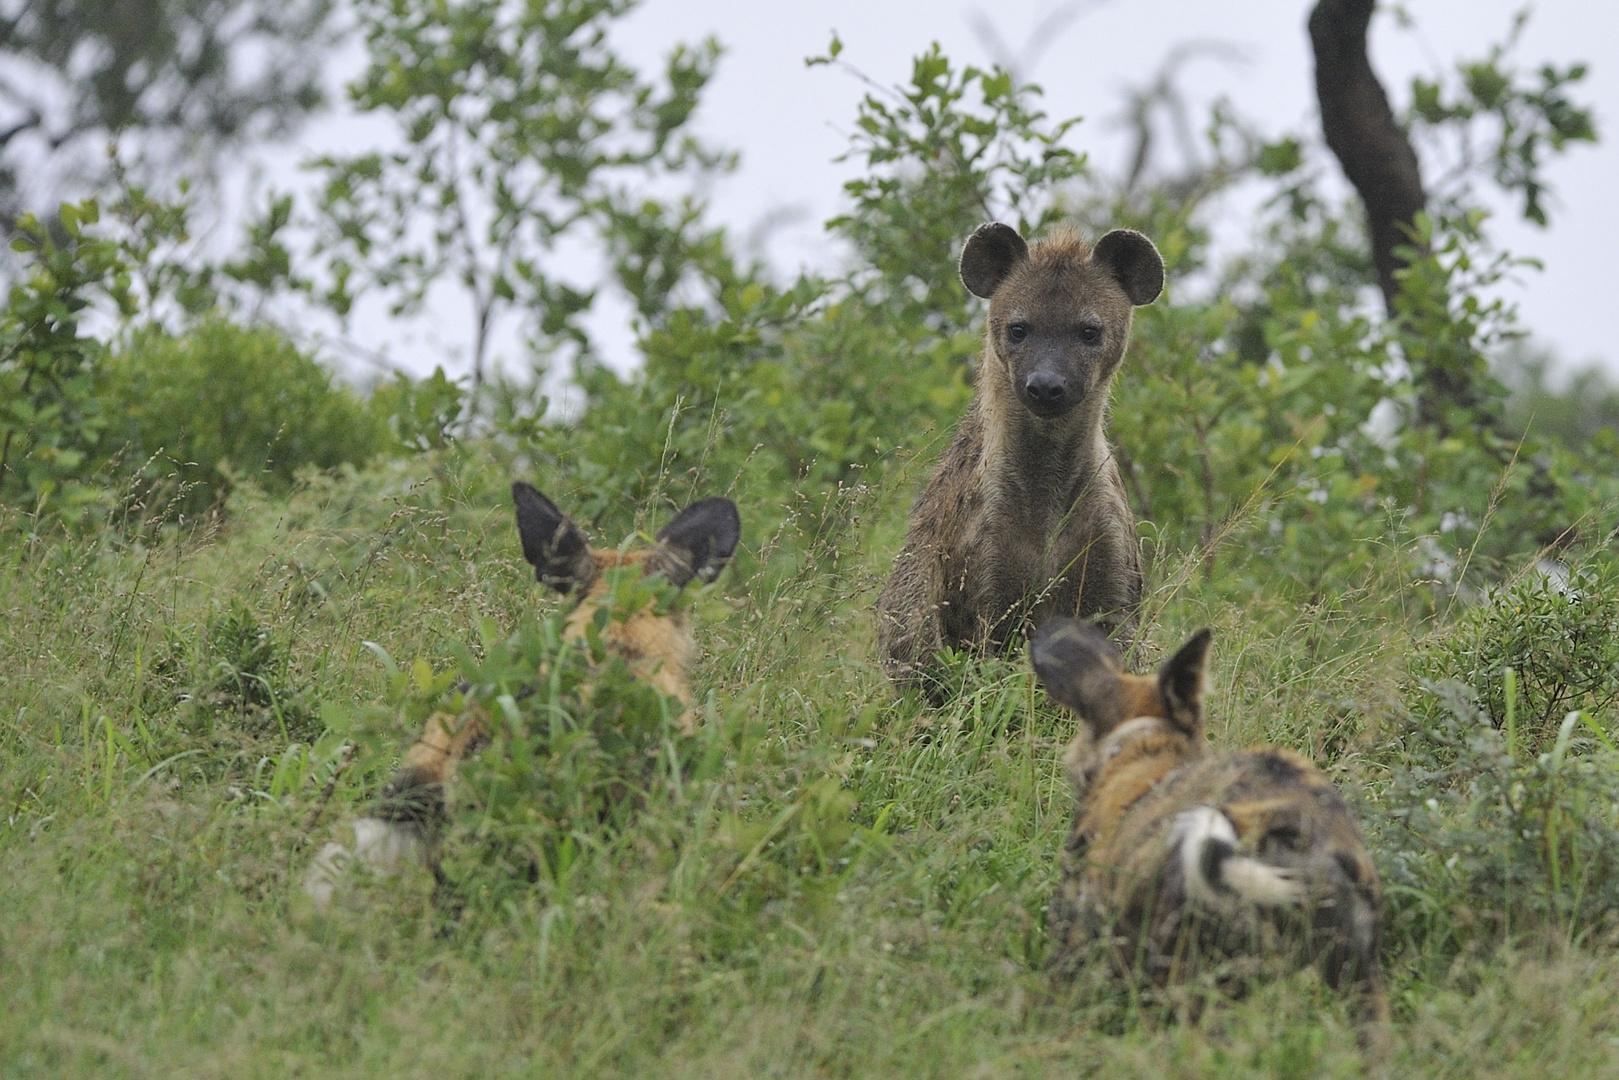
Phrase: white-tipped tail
(1215, 874)
(382, 847)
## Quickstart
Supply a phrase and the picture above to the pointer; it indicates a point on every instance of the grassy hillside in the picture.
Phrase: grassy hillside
(856, 890)
(230, 589)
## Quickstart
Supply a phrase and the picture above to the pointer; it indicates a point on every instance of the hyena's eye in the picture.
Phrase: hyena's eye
(1017, 332)
(1090, 335)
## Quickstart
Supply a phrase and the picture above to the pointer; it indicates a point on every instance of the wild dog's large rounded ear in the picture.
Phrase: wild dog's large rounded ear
(989, 255)
(1080, 668)
(1134, 263)
(698, 542)
(552, 544)
(1180, 681)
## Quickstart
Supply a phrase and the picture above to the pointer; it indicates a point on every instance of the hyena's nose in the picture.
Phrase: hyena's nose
(1045, 388)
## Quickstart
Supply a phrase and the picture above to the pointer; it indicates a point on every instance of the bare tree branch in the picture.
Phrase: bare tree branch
(1041, 38)
(1161, 100)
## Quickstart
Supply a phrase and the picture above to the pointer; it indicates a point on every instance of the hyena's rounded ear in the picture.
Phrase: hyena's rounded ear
(1180, 681)
(552, 544)
(698, 542)
(1080, 666)
(1134, 262)
(992, 251)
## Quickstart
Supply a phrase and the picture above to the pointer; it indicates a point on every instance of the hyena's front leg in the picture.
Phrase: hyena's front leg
(404, 822)
(910, 622)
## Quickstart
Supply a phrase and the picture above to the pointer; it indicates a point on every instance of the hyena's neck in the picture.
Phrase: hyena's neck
(1040, 463)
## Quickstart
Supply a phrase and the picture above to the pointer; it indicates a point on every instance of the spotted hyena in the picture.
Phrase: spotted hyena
(1026, 517)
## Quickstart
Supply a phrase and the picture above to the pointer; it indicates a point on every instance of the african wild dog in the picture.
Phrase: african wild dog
(656, 645)
(1026, 517)
(1183, 860)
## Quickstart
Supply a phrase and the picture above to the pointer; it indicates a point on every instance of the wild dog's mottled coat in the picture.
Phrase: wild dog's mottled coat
(1026, 517)
(657, 646)
(1277, 864)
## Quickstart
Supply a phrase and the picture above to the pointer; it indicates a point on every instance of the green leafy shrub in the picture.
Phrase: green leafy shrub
(1294, 422)
(1478, 843)
(195, 412)
(947, 151)
(782, 393)
(420, 413)
(1560, 638)
(576, 752)
(51, 419)
(767, 391)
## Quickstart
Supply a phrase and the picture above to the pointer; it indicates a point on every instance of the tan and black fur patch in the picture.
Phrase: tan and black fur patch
(1184, 861)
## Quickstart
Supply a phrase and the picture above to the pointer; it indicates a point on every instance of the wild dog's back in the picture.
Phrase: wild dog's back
(1180, 855)
(1261, 848)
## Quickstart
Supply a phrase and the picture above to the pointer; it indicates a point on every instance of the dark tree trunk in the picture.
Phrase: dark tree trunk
(1360, 128)
(1378, 158)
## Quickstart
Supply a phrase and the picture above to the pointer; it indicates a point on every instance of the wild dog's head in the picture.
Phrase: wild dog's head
(1122, 714)
(695, 545)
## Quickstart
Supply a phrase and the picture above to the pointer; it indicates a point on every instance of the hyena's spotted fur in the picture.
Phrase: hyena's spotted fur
(1026, 518)
(1181, 858)
(657, 646)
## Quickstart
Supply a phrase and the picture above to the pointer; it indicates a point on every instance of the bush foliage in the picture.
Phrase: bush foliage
(1484, 840)
(1557, 634)
(221, 403)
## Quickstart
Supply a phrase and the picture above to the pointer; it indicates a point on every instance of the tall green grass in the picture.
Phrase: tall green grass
(859, 891)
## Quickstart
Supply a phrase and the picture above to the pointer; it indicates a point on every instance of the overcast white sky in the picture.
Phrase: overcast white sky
(789, 122)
